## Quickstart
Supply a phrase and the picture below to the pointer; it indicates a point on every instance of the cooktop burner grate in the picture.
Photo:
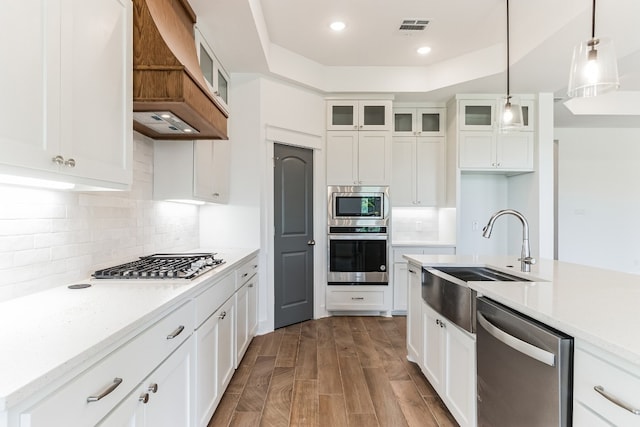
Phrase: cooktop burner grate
(162, 266)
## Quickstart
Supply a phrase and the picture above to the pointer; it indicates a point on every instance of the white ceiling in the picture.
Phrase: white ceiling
(290, 39)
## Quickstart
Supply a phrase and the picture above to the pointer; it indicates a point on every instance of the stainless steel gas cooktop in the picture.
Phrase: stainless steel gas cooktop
(162, 266)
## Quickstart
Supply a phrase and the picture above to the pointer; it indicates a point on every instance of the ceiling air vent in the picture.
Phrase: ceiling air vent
(413, 25)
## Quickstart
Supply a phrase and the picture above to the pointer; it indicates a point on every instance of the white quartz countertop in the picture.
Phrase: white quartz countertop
(599, 306)
(49, 334)
(426, 243)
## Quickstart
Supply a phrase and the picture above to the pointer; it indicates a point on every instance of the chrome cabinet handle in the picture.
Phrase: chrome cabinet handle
(58, 160)
(175, 333)
(251, 285)
(153, 388)
(517, 344)
(311, 242)
(412, 272)
(71, 163)
(216, 194)
(114, 385)
(144, 398)
(357, 298)
(245, 275)
(223, 315)
(616, 401)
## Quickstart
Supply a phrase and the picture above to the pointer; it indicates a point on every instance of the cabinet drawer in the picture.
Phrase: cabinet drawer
(355, 300)
(119, 372)
(246, 272)
(591, 371)
(211, 299)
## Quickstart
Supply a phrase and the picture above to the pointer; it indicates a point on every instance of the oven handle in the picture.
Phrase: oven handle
(362, 236)
(516, 343)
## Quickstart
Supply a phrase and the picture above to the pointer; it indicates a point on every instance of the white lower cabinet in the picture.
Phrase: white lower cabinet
(164, 399)
(449, 363)
(358, 298)
(606, 389)
(414, 314)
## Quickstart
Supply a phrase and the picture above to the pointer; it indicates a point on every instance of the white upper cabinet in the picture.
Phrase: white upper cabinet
(360, 158)
(204, 170)
(480, 114)
(418, 174)
(359, 115)
(67, 101)
(214, 73)
(419, 121)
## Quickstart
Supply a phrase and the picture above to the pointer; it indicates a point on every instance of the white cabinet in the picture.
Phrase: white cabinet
(400, 278)
(358, 157)
(214, 73)
(418, 171)
(359, 115)
(358, 298)
(424, 121)
(414, 314)
(482, 148)
(164, 398)
(246, 309)
(87, 398)
(606, 389)
(449, 363)
(192, 170)
(67, 104)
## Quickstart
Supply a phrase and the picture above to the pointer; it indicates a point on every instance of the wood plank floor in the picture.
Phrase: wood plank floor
(336, 371)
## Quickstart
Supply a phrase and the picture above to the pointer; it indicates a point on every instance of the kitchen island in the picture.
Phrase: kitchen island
(54, 336)
(599, 308)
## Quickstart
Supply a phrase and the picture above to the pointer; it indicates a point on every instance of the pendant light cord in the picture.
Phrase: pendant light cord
(508, 92)
(593, 20)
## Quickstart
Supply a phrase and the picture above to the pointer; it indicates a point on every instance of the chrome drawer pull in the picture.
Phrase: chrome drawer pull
(412, 272)
(357, 298)
(619, 402)
(517, 344)
(223, 315)
(144, 398)
(114, 385)
(175, 333)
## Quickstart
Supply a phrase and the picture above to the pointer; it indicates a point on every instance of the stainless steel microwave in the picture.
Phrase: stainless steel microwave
(358, 205)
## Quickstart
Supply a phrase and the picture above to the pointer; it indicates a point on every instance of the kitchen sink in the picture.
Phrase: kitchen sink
(479, 274)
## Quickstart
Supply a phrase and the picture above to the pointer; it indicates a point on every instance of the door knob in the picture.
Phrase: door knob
(311, 242)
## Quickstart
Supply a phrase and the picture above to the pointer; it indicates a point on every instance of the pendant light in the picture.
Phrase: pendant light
(594, 68)
(509, 107)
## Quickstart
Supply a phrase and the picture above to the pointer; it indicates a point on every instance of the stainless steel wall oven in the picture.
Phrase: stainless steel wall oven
(358, 235)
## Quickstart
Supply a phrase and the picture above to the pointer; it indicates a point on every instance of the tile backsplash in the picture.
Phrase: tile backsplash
(50, 238)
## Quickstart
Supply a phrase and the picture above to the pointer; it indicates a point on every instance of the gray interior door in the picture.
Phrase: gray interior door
(293, 240)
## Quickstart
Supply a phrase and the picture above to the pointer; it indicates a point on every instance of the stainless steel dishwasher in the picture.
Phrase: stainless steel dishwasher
(525, 370)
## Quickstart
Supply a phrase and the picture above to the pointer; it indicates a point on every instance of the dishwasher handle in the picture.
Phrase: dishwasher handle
(517, 344)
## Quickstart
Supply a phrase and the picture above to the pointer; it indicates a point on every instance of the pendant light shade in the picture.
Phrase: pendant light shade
(509, 107)
(594, 67)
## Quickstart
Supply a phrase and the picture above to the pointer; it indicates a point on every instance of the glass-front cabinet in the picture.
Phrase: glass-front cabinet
(215, 75)
(359, 115)
(476, 114)
(419, 121)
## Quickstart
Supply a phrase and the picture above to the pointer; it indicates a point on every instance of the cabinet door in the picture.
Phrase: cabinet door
(203, 172)
(252, 315)
(404, 122)
(342, 115)
(460, 374)
(514, 151)
(96, 108)
(242, 323)
(403, 182)
(226, 344)
(433, 354)
(430, 121)
(171, 404)
(30, 110)
(414, 315)
(374, 158)
(342, 154)
(207, 393)
(477, 150)
(400, 286)
(221, 171)
(476, 114)
(374, 115)
(429, 170)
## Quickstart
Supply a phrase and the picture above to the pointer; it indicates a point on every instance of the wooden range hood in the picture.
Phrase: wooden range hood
(167, 76)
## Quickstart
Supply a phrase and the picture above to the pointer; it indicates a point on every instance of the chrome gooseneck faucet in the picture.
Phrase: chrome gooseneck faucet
(525, 256)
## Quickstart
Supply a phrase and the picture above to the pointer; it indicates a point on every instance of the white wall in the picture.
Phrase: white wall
(599, 197)
(52, 238)
(264, 111)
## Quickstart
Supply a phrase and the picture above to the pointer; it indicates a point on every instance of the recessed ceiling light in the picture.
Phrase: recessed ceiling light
(338, 26)
(424, 50)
